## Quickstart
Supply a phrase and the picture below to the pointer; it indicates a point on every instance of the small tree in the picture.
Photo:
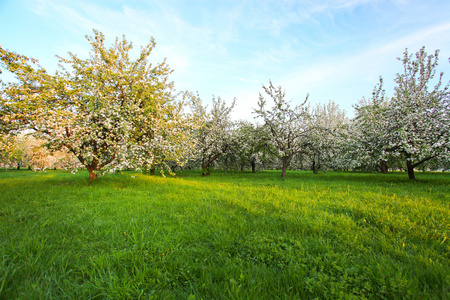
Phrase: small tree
(368, 137)
(287, 131)
(10, 151)
(329, 121)
(214, 137)
(246, 146)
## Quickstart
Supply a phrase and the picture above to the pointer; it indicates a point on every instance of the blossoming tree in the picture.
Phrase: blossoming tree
(108, 109)
(329, 122)
(287, 131)
(368, 139)
(418, 120)
(215, 136)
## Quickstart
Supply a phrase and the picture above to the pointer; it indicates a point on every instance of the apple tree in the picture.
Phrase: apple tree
(417, 125)
(109, 110)
(287, 130)
(215, 136)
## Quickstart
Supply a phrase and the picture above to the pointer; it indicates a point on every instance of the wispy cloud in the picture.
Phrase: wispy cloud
(333, 49)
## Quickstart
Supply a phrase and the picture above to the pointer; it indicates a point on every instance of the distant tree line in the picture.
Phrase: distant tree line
(109, 112)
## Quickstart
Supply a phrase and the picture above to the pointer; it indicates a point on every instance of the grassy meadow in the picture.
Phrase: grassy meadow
(228, 236)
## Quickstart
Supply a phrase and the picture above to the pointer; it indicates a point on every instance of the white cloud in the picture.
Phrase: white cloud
(231, 49)
(367, 65)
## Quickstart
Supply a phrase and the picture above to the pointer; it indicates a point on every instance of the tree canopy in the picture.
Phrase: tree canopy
(115, 112)
(414, 124)
(108, 109)
(287, 130)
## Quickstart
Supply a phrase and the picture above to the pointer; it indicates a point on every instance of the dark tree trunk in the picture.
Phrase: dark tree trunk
(206, 164)
(205, 170)
(286, 160)
(283, 171)
(411, 166)
(152, 170)
(383, 167)
(314, 168)
(253, 164)
(410, 170)
(18, 165)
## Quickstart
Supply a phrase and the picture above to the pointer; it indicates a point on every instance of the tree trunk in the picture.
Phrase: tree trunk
(410, 170)
(383, 167)
(313, 167)
(93, 168)
(18, 165)
(286, 161)
(204, 167)
(206, 171)
(253, 164)
(283, 171)
(152, 170)
(411, 166)
(92, 174)
(206, 164)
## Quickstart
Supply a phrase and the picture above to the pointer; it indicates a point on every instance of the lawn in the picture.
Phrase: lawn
(228, 236)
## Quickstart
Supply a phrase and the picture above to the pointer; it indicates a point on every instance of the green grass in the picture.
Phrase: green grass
(227, 236)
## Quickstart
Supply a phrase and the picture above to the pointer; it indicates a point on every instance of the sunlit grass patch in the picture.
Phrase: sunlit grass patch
(230, 235)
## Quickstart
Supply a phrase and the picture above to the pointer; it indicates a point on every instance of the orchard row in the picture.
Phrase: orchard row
(109, 112)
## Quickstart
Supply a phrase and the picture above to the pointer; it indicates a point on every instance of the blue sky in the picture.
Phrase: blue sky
(333, 50)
